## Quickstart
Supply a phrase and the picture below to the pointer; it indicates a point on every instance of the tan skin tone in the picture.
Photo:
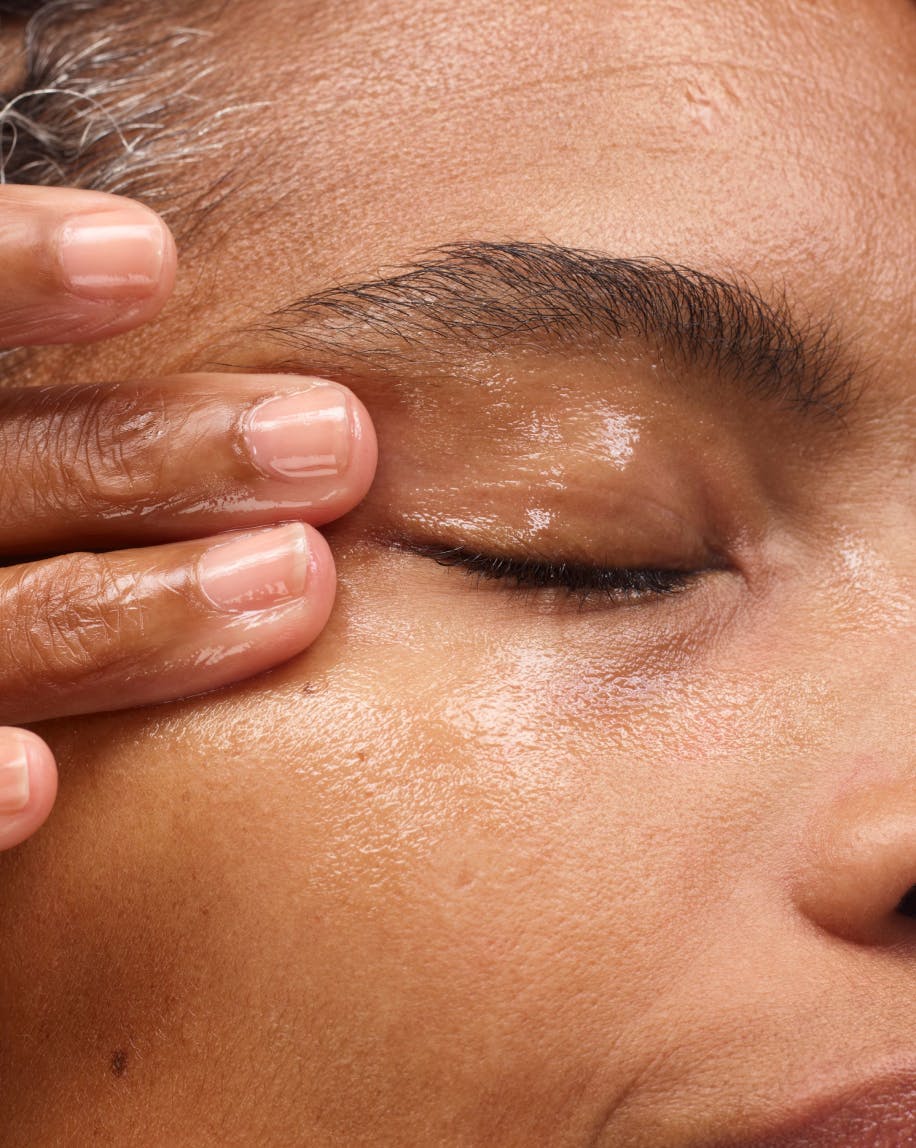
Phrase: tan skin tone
(159, 535)
(484, 867)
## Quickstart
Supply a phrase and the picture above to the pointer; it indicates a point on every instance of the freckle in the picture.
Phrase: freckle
(119, 1062)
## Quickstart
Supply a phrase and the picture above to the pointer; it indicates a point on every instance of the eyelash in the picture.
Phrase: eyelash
(620, 585)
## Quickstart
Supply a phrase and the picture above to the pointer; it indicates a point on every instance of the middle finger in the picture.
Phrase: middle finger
(132, 463)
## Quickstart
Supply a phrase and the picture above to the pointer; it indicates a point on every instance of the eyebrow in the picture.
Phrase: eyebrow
(492, 297)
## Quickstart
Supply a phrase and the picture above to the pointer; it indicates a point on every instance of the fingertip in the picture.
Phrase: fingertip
(273, 591)
(336, 496)
(321, 585)
(79, 266)
(121, 255)
(28, 785)
(310, 433)
(260, 639)
(365, 452)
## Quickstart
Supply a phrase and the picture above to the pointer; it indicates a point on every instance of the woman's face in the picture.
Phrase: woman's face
(499, 863)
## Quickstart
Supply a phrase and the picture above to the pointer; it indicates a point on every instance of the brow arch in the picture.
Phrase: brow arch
(484, 295)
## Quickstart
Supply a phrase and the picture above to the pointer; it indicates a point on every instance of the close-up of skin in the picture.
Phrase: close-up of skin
(589, 818)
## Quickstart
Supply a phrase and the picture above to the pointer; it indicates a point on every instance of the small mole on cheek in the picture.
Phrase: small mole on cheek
(119, 1062)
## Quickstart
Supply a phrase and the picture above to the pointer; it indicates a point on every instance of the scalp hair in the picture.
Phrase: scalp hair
(110, 95)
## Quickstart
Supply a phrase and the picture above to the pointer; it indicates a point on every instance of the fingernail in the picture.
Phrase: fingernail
(302, 435)
(14, 775)
(256, 571)
(111, 254)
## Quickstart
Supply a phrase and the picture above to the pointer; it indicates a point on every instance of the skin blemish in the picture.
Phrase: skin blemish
(709, 102)
(119, 1062)
(701, 108)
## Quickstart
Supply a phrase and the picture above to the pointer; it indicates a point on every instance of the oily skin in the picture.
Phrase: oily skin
(478, 869)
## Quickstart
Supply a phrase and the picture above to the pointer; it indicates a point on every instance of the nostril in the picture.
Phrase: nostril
(856, 870)
(907, 906)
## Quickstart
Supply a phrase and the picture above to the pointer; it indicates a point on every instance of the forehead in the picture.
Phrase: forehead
(768, 138)
(715, 128)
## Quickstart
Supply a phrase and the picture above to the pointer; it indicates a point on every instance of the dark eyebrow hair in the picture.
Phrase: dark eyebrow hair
(496, 296)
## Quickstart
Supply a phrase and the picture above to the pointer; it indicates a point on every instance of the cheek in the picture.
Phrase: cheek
(453, 862)
(508, 846)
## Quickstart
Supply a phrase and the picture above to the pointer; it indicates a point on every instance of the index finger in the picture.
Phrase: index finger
(77, 266)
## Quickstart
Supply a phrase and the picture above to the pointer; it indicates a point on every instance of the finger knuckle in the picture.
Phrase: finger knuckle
(113, 444)
(74, 617)
(99, 448)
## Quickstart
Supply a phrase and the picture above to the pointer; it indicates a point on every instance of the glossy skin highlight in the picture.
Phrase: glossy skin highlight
(488, 867)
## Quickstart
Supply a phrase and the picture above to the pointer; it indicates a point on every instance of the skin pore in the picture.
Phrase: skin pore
(494, 863)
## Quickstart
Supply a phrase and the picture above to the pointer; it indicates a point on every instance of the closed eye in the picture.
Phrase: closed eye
(533, 573)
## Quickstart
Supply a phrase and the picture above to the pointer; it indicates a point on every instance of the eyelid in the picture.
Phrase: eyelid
(535, 572)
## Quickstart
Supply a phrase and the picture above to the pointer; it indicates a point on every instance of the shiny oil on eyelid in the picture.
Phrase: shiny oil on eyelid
(618, 436)
(539, 519)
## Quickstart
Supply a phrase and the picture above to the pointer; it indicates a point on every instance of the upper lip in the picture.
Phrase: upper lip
(879, 1113)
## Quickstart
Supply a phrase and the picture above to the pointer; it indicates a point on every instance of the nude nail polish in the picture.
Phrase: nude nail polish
(256, 571)
(301, 435)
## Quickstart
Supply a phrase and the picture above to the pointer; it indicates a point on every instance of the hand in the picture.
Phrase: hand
(139, 477)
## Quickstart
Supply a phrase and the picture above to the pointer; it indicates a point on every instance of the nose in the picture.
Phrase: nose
(858, 879)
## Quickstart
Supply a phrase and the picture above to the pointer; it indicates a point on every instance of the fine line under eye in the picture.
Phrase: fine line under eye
(534, 573)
